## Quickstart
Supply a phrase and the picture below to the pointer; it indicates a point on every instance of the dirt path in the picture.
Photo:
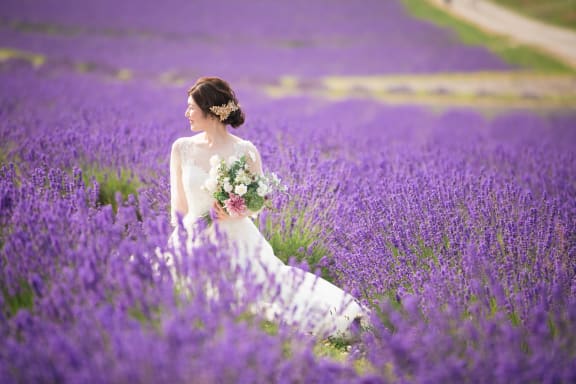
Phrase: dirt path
(556, 41)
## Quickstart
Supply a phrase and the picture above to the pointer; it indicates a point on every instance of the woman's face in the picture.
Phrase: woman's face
(195, 116)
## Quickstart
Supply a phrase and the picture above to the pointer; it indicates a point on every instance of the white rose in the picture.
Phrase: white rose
(214, 161)
(211, 184)
(244, 179)
(227, 186)
(213, 173)
(240, 189)
(231, 160)
(262, 190)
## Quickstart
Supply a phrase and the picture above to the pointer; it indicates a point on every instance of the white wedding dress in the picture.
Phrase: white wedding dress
(304, 300)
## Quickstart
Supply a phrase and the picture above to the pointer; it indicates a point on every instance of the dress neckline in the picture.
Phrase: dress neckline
(237, 149)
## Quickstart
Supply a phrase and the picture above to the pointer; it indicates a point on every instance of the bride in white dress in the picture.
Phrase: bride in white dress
(305, 300)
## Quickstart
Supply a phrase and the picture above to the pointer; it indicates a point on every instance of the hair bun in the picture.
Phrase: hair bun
(236, 118)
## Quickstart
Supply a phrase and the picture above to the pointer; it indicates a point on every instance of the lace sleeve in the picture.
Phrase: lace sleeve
(178, 202)
(253, 158)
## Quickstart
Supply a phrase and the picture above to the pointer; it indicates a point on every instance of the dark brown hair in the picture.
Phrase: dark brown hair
(213, 91)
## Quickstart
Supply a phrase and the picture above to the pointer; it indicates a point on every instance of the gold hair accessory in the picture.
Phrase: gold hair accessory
(224, 110)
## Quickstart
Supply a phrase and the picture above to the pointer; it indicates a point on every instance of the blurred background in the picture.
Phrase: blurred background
(426, 52)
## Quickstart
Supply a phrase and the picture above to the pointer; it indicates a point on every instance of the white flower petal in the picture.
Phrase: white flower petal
(240, 189)
(231, 160)
(211, 184)
(215, 160)
(262, 190)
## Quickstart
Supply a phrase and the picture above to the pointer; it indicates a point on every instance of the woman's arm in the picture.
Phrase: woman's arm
(178, 204)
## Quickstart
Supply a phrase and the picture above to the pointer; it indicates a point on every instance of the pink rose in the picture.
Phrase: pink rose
(235, 205)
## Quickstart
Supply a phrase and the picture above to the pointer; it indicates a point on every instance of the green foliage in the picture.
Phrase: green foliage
(493, 307)
(221, 196)
(22, 298)
(269, 327)
(558, 12)
(511, 52)
(395, 304)
(338, 343)
(3, 156)
(148, 316)
(425, 254)
(254, 202)
(112, 182)
(296, 237)
(8, 154)
(240, 164)
(138, 314)
(514, 318)
(335, 349)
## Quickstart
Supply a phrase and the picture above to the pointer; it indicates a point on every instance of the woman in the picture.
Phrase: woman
(313, 304)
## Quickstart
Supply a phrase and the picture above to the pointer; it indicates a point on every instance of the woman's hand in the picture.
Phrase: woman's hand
(221, 214)
(218, 212)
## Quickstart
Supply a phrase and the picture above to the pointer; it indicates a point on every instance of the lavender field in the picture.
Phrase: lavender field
(457, 227)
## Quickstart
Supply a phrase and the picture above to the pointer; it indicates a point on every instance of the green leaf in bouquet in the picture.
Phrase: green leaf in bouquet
(221, 195)
(234, 168)
(254, 202)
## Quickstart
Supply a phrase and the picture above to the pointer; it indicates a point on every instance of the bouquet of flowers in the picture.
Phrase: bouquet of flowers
(237, 189)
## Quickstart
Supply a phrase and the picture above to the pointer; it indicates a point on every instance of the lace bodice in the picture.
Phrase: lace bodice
(187, 177)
